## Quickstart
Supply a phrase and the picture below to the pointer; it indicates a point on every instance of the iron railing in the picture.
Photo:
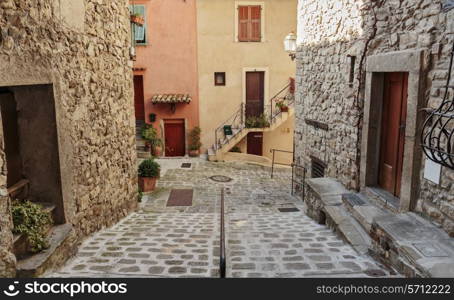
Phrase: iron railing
(237, 122)
(222, 259)
(299, 171)
(273, 151)
(437, 137)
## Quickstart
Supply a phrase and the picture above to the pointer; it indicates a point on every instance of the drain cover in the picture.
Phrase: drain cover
(221, 178)
(375, 273)
(181, 197)
(288, 209)
(186, 165)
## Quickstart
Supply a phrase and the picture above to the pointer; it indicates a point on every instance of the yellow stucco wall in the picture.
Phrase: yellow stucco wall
(282, 139)
(219, 52)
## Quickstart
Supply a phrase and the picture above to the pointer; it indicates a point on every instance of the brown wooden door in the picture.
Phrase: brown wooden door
(174, 138)
(255, 143)
(255, 83)
(11, 139)
(139, 105)
(393, 132)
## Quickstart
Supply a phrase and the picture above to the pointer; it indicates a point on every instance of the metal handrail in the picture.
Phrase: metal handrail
(302, 184)
(222, 260)
(239, 116)
(275, 163)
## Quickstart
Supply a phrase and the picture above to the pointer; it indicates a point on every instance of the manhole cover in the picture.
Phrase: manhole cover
(288, 209)
(221, 178)
(186, 165)
(375, 273)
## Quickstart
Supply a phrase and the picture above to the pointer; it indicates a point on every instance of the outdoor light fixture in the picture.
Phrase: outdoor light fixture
(290, 45)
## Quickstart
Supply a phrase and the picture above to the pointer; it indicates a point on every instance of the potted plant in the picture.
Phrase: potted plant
(149, 171)
(137, 19)
(282, 106)
(152, 142)
(194, 141)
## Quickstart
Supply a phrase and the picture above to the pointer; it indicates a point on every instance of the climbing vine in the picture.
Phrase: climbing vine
(31, 220)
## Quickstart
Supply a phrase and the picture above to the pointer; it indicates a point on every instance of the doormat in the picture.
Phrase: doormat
(181, 197)
(221, 178)
(288, 209)
(186, 165)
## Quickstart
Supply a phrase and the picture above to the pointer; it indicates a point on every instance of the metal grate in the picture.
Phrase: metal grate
(437, 136)
(288, 209)
(186, 165)
(180, 197)
(318, 168)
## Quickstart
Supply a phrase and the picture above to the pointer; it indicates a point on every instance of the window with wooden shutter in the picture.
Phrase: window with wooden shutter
(249, 23)
(139, 32)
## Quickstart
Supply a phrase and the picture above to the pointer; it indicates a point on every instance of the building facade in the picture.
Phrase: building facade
(368, 73)
(165, 70)
(242, 66)
(67, 130)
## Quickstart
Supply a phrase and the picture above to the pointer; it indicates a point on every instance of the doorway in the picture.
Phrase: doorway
(139, 100)
(255, 143)
(392, 138)
(255, 92)
(174, 131)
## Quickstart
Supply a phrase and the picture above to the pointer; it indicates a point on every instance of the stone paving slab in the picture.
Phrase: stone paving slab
(161, 241)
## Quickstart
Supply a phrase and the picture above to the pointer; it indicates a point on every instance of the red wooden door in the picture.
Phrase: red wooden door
(255, 143)
(174, 138)
(255, 83)
(139, 105)
(393, 132)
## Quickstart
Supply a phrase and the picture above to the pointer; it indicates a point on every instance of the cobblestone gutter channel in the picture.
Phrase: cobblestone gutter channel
(261, 241)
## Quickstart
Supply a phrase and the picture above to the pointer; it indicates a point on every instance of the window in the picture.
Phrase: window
(249, 23)
(139, 33)
(318, 167)
(219, 78)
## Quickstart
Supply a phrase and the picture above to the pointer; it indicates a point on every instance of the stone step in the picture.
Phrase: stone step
(143, 154)
(339, 219)
(362, 209)
(61, 247)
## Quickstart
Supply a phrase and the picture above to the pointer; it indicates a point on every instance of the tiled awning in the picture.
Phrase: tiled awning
(171, 98)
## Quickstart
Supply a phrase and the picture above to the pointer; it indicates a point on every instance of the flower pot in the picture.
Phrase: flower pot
(284, 108)
(147, 184)
(137, 20)
(193, 153)
(156, 151)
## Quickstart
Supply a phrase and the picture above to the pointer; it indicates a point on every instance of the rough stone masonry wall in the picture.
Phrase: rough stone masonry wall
(81, 47)
(328, 32)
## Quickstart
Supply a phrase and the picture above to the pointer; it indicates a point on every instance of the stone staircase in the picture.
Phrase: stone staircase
(228, 142)
(405, 242)
(140, 142)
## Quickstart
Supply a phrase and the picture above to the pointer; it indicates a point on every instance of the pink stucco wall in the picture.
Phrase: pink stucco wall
(170, 58)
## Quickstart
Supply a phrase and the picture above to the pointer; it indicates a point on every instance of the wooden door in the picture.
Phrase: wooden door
(393, 132)
(139, 105)
(255, 90)
(11, 139)
(255, 143)
(174, 138)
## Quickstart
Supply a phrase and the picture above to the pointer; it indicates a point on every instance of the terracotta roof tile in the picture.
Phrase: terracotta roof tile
(171, 98)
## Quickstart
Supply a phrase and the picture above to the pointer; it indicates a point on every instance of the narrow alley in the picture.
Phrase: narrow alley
(267, 232)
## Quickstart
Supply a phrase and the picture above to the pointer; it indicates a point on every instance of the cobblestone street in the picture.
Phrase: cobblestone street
(261, 240)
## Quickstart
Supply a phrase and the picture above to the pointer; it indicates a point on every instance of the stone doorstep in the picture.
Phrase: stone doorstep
(326, 186)
(56, 254)
(428, 248)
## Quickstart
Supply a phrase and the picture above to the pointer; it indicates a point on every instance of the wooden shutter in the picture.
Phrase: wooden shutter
(140, 30)
(243, 23)
(255, 13)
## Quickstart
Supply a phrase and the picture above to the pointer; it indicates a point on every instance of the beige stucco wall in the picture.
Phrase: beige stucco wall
(218, 52)
(282, 139)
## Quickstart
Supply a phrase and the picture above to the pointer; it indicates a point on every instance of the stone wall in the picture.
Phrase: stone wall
(81, 48)
(331, 31)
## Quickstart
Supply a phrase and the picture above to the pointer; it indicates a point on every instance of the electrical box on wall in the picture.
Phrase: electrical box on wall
(432, 171)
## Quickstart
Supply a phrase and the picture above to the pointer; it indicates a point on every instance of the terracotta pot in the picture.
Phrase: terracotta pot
(193, 153)
(284, 108)
(147, 184)
(156, 151)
